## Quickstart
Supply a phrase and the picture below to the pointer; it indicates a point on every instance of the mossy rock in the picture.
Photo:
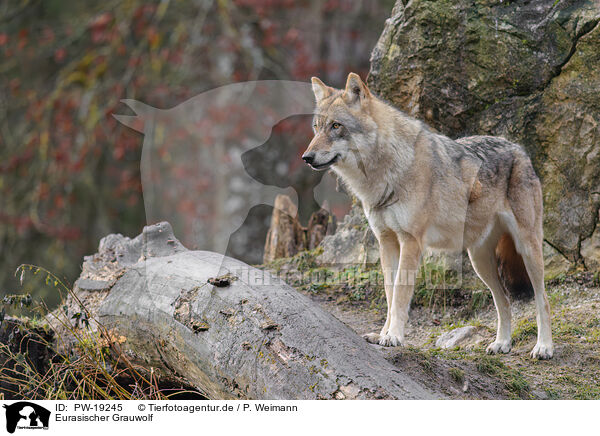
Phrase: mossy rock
(528, 71)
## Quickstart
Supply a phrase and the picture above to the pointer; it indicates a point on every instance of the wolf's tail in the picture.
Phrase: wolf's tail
(511, 270)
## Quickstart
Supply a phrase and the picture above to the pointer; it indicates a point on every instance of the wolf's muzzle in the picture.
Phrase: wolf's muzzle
(308, 157)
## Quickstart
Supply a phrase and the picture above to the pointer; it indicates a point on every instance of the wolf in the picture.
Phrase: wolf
(420, 189)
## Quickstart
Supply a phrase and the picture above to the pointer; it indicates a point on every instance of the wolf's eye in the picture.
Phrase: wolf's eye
(336, 126)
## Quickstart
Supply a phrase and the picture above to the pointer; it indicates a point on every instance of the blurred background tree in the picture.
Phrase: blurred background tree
(69, 172)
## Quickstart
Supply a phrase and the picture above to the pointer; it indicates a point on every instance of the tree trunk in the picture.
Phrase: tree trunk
(287, 237)
(230, 330)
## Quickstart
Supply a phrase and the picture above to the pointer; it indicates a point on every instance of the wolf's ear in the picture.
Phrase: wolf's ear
(320, 89)
(355, 89)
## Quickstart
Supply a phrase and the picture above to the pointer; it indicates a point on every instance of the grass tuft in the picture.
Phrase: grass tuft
(457, 374)
(92, 365)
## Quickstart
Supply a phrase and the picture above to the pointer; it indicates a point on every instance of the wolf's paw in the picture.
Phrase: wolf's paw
(372, 338)
(498, 347)
(542, 351)
(391, 341)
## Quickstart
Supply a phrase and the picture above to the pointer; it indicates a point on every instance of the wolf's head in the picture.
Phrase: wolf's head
(342, 123)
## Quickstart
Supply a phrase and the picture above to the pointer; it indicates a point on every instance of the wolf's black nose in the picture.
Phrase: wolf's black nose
(308, 157)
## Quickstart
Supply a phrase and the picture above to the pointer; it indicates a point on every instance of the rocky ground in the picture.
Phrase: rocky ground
(466, 319)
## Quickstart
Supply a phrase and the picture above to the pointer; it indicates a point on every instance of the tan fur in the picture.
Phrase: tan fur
(423, 190)
(475, 192)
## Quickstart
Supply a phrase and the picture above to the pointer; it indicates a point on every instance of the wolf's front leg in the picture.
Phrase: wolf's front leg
(404, 286)
(389, 253)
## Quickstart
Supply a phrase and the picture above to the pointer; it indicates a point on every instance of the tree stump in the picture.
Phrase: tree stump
(287, 237)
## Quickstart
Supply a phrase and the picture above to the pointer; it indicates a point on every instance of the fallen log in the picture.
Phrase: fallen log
(228, 329)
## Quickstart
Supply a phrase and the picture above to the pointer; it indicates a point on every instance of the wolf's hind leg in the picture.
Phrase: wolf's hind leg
(389, 253)
(534, 263)
(485, 264)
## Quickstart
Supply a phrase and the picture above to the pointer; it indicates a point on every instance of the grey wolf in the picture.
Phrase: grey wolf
(420, 189)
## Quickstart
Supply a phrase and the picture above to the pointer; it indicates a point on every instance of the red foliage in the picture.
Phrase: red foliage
(66, 73)
(59, 55)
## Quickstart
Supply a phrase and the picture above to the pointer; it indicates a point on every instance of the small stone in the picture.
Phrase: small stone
(455, 337)
(200, 326)
(350, 390)
(221, 282)
(227, 312)
(269, 325)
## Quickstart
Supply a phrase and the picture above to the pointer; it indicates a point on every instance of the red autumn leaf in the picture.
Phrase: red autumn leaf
(60, 54)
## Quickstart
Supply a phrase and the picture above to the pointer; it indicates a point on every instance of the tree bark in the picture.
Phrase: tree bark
(230, 330)
(287, 237)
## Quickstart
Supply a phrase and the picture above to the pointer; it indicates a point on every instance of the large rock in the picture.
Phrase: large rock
(525, 70)
(353, 242)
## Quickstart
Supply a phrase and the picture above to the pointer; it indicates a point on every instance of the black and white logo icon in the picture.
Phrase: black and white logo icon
(26, 415)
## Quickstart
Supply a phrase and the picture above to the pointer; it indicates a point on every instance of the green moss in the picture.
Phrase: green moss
(423, 358)
(455, 354)
(587, 392)
(307, 259)
(579, 389)
(303, 261)
(512, 379)
(524, 330)
(556, 298)
(565, 329)
(593, 336)
(438, 286)
(480, 300)
(457, 374)
(36, 323)
(516, 383)
(490, 365)
(449, 326)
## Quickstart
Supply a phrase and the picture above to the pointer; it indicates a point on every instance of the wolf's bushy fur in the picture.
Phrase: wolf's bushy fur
(420, 189)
